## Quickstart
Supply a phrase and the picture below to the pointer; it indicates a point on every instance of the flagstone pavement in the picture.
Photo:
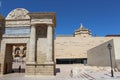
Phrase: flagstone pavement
(64, 73)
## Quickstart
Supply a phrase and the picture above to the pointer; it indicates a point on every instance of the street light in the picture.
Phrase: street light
(110, 47)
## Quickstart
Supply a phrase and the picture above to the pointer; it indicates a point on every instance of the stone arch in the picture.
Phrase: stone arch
(18, 13)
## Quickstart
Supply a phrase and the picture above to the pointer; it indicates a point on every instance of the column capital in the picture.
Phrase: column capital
(50, 25)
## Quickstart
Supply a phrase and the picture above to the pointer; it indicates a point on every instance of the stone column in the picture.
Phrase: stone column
(32, 44)
(50, 43)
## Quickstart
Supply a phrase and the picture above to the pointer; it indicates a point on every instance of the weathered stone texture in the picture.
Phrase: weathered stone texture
(45, 70)
(40, 69)
(38, 40)
(41, 50)
(30, 70)
(76, 47)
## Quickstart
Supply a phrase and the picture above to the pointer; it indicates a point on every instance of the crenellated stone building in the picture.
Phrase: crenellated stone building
(30, 36)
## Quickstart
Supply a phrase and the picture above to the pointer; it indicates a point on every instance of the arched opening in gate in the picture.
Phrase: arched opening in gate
(15, 58)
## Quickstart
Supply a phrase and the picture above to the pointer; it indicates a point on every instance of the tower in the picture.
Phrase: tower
(82, 32)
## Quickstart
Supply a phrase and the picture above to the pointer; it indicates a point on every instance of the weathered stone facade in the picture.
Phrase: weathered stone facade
(35, 32)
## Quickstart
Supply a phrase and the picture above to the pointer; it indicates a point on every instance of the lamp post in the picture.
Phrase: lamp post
(110, 47)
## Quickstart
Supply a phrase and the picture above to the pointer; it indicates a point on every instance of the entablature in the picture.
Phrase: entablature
(43, 18)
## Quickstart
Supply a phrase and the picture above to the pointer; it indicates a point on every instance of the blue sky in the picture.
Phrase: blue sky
(102, 17)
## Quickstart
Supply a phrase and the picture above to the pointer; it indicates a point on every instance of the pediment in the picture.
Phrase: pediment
(19, 13)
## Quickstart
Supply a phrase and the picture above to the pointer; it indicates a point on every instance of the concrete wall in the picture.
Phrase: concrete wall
(100, 56)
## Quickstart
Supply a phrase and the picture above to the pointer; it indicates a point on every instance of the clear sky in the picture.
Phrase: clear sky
(102, 17)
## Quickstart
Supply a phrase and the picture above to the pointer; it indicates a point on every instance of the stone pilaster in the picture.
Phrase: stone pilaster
(13, 52)
(32, 45)
(50, 43)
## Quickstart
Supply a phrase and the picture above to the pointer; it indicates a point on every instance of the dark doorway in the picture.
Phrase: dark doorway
(72, 61)
(19, 58)
(8, 59)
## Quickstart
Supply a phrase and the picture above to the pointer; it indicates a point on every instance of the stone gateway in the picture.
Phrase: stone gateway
(30, 37)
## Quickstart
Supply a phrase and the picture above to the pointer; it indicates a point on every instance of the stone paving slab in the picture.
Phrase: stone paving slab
(64, 73)
(20, 76)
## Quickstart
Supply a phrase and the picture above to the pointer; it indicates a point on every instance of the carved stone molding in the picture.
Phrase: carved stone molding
(19, 51)
(17, 23)
(18, 13)
(41, 21)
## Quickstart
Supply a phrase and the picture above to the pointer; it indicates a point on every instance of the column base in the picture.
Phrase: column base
(30, 68)
(46, 69)
(30, 62)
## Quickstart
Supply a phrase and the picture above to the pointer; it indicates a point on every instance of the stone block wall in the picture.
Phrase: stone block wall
(30, 69)
(41, 50)
(45, 69)
(76, 47)
(40, 69)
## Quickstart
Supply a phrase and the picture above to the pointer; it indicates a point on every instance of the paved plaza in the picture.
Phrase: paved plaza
(64, 73)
